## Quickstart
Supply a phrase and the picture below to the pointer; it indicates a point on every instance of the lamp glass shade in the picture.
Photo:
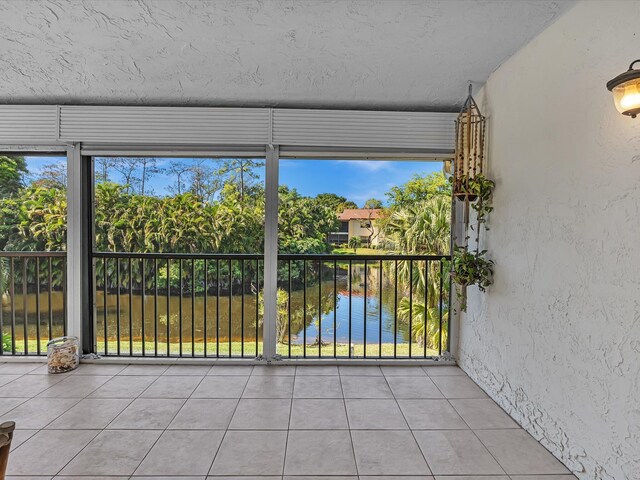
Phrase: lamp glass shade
(627, 97)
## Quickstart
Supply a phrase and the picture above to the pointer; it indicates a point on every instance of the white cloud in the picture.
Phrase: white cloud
(371, 165)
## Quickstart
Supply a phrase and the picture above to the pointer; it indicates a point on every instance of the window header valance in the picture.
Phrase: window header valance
(427, 132)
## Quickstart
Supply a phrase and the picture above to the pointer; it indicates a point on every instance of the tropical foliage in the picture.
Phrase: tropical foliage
(12, 170)
(418, 223)
(222, 210)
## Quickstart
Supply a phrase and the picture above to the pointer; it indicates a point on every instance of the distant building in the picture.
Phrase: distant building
(357, 222)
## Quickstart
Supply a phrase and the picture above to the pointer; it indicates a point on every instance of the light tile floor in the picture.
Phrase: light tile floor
(280, 422)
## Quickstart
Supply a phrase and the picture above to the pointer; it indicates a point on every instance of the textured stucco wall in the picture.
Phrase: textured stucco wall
(405, 54)
(556, 340)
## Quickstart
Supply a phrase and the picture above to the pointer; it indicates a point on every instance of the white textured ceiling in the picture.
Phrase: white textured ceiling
(391, 54)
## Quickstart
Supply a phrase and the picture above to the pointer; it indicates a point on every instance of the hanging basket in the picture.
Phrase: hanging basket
(469, 150)
(463, 196)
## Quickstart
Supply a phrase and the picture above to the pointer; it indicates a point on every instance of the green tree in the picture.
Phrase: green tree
(242, 172)
(304, 223)
(424, 229)
(425, 324)
(34, 220)
(12, 173)
(53, 175)
(419, 189)
(372, 203)
(337, 202)
(355, 243)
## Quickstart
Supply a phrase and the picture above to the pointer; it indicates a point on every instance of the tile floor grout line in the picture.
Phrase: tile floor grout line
(100, 431)
(494, 402)
(41, 391)
(70, 407)
(224, 435)
(286, 442)
(344, 405)
(131, 400)
(405, 420)
(144, 429)
(467, 423)
(165, 429)
(26, 399)
(74, 456)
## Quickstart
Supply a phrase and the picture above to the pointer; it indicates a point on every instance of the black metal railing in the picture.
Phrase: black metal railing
(363, 306)
(33, 301)
(211, 305)
(186, 305)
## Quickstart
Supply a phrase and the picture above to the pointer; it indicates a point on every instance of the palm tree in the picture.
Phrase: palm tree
(420, 229)
(432, 322)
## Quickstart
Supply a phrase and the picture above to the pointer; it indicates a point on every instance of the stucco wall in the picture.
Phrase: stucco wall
(556, 340)
(357, 230)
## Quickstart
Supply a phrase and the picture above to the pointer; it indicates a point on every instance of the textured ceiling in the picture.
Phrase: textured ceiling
(392, 54)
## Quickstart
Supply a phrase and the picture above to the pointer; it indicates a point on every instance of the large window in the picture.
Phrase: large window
(33, 211)
(178, 249)
(353, 276)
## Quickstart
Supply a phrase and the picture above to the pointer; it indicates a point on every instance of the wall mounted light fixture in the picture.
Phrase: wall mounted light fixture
(626, 91)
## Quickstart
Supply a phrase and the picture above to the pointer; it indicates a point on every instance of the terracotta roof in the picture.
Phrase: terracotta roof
(360, 214)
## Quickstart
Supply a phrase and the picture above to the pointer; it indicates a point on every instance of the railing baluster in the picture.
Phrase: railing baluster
(289, 308)
(193, 307)
(206, 306)
(304, 308)
(144, 291)
(242, 308)
(118, 305)
(395, 311)
(350, 317)
(218, 307)
(230, 298)
(410, 305)
(64, 302)
(180, 293)
(25, 326)
(449, 307)
(49, 294)
(440, 312)
(380, 311)
(168, 308)
(364, 342)
(257, 302)
(319, 308)
(426, 306)
(155, 307)
(130, 265)
(38, 305)
(335, 308)
(13, 305)
(104, 305)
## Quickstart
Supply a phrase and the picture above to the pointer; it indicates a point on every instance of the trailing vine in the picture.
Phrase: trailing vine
(471, 267)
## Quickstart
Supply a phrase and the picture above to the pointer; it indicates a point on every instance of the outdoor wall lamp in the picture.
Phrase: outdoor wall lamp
(626, 91)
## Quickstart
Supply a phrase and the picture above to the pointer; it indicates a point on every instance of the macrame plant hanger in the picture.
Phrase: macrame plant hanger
(469, 152)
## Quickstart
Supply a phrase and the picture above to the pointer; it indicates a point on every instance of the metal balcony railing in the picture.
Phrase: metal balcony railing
(328, 306)
(33, 301)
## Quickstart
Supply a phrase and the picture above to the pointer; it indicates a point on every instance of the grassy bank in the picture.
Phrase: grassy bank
(342, 350)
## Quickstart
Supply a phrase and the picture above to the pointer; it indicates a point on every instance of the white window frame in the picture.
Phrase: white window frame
(83, 131)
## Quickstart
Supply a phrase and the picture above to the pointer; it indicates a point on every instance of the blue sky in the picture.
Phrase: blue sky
(358, 180)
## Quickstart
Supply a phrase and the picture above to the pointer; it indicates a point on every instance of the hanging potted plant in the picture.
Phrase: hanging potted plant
(471, 267)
